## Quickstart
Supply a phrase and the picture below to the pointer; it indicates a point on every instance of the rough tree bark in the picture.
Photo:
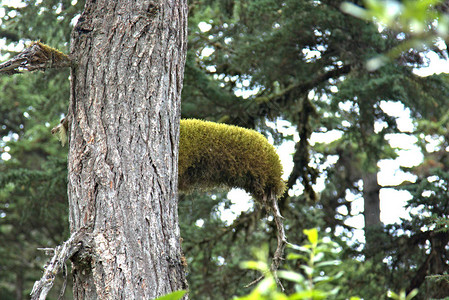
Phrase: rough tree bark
(124, 130)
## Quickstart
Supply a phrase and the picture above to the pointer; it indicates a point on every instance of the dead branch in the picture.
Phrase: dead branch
(37, 56)
(61, 255)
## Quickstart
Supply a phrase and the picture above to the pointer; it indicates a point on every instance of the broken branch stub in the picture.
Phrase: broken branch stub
(61, 255)
(37, 56)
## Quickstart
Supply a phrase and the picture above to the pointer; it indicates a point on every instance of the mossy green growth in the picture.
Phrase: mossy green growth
(213, 154)
(49, 53)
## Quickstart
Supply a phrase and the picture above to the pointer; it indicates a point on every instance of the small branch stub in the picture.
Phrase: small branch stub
(61, 131)
(37, 56)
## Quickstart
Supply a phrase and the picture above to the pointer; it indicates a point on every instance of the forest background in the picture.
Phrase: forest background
(289, 69)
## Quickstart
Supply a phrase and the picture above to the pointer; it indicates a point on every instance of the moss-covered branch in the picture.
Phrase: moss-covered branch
(213, 154)
(37, 56)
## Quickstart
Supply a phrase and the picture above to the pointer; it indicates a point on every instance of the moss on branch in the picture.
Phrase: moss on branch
(213, 154)
(37, 56)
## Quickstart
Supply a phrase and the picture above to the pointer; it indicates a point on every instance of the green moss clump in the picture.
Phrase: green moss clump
(213, 154)
(48, 53)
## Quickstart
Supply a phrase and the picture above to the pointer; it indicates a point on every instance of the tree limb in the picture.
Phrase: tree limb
(37, 56)
(238, 223)
(61, 255)
(303, 87)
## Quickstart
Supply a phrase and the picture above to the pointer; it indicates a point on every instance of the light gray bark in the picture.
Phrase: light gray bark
(124, 131)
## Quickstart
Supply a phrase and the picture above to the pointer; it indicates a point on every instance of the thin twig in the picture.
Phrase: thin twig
(64, 283)
(281, 238)
(255, 281)
(270, 202)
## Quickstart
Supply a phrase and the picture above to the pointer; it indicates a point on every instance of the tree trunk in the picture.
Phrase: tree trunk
(124, 131)
(371, 190)
(371, 187)
(19, 285)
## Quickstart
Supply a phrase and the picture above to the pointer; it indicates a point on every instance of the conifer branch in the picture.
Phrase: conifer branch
(304, 87)
(37, 56)
(241, 222)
